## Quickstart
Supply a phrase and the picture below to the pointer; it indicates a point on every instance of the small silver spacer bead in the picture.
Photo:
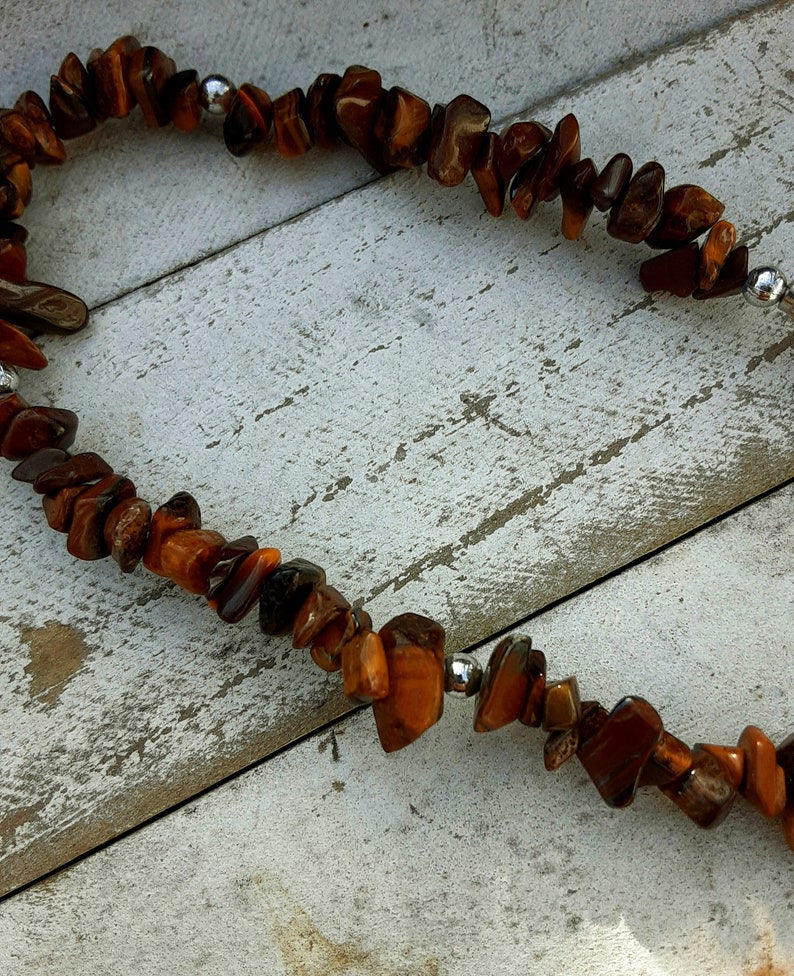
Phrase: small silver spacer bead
(216, 94)
(764, 287)
(9, 379)
(462, 675)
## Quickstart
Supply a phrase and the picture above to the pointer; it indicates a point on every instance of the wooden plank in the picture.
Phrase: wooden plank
(101, 244)
(462, 854)
(454, 415)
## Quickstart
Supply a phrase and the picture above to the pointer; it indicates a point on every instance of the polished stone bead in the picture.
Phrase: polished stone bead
(11, 206)
(108, 71)
(37, 427)
(326, 648)
(462, 675)
(487, 176)
(78, 470)
(188, 555)
(357, 103)
(248, 120)
(615, 756)
(290, 123)
(58, 507)
(524, 186)
(687, 211)
(764, 781)
(39, 462)
(229, 558)
(75, 74)
(673, 271)
(731, 759)
(704, 793)
(13, 254)
(320, 607)
(18, 183)
(90, 510)
(637, 210)
(10, 405)
(180, 512)
(17, 349)
(562, 150)
(532, 712)
(455, 137)
(731, 279)
(611, 181)
(670, 759)
(41, 308)
(181, 95)
(504, 685)
(562, 707)
(320, 106)
(126, 532)
(414, 647)
(559, 747)
(713, 254)
(365, 672)
(70, 115)
(402, 128)
(49, 148)
(283, 594)
(577, 205)
(519, 142)
(237, 596)
(148, 71)
(594, 718)
(16, 135)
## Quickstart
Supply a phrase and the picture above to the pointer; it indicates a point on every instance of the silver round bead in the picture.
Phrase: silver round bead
(9, 379)
(216, 94)
(462, 675)
(764, 287)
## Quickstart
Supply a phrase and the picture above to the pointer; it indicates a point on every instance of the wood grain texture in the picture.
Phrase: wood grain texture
(462, 855)
(465, 418)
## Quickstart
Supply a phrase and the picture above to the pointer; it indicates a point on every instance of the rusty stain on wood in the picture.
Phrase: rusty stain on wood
(57, 652)
(15, 819)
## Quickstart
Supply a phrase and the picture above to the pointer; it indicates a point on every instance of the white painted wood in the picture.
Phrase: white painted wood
(461, 854)
(466, 418)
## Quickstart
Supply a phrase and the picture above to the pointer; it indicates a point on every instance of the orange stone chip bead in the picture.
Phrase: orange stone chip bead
(179, 512)
(764, 780)
(487, 176)
(91, 508)
(126, 531)
(687, 211)
(18, 350)
(240, 592)
(365, 671)
(714, 253)
(290, 124)
(403, 128)
(320, 607)
(705, 793)
(326, 650)
(532, 712)
(732, 759)
(188, 556)
(670, 759)
(414, 648)
(504, 686)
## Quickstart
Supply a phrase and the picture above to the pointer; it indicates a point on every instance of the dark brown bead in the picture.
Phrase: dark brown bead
(455, 138)
(188, 555)
(240, 592)
(487, 175)
(532, 712)
(17, 175)
(126, 532)
(523, 188)
(10, 405)
(179, 512)
(248, 120)
(414, 648)
(562, 707)
(78, 470)
(577, 204)
(357, 104)
(58, 507)
(91, 508)
(559, 747)
(16, 134)
(714, 253)
(594, 717)
(229, 558)
(13, 258)
(704, 793)
(687, 211)
(674, 271)
(49, 148)
(11, 206)
(181, 94)
(365, 671)
(39, 462)
(731, 758)
(320, 106)
(764, 781)
(520, 141)
(318, 609)
(785, 759)
(615, 756)
(670, 759)
(148, 71)
(283, 594)
(402, 128)
(290, 124)
(41, 308)
(636, 212)
(74, 73)
(611, 181)
(504, 686)
(71, 116)
(562, 151)
(113, 95)
(326, 650)
(37, 427)
(787, 819)
(18, 350)
(731, 278)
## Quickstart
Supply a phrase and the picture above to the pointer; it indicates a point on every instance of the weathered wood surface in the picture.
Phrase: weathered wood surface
(462, 855)
(463, 417)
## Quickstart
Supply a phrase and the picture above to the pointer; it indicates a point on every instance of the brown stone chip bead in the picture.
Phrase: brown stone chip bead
(577, 205)
(562, 150)
(562, 707)
(455, 137)
(714, 253)
(414, 647)
(229, 558)
(18, 350)
(13, 254)
(637, 210)
(704, 793)
(39, 462)
(519, 142)
(614, 757)
(49, 148)
(75, 73)
(594, 718)
(181, 94)
(16, 134)
(10, 405)
(89, 513)
(785, 759)
(326, 649)
(487, 176)
(687, 211)
(240, 592)
(16, 174)
(320, 106)
(559, 747)
(37, 427)
(504, 686)
(78, 470)
(71, 117)
(611, 181)
(58, 507)
(365, 671)
(126, 532)
(670, 759)
(532, 712)
(179, 512)
(731, 758)
(732, 277)
(43, 308)
(188, 555)
(113, 94)
(524, 186)
(148, 71)
(674, 271)
(290, 124)
(402, 128)
(283, 593)
(320, 607)
(764, 781)
(357, 103)
(248, 120)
